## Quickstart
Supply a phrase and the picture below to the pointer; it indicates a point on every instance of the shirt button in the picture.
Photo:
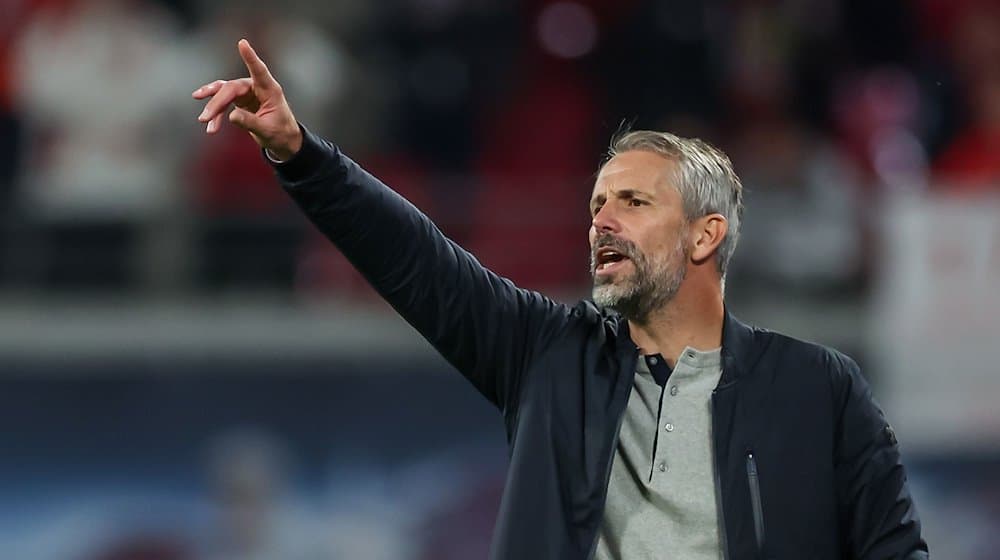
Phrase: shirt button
(673, 391)
(669, 427)
(653, 360)
(663, 467)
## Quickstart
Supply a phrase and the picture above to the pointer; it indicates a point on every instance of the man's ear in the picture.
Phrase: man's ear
(707, 234)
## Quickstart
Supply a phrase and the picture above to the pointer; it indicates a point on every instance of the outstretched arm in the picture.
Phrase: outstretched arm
(484, 325)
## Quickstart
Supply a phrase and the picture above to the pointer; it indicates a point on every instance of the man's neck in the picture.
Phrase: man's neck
(693, 318)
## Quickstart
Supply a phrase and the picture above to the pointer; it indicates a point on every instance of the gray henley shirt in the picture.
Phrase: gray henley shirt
(661, 496)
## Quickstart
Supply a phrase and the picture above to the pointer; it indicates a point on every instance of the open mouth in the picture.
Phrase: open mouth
(608, 259)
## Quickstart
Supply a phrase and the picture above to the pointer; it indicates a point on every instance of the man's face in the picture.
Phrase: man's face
(638, 238)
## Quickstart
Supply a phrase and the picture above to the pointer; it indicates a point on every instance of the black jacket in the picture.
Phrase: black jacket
(806, 465)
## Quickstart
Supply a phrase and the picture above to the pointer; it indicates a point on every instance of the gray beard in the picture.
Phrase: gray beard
(653, 284)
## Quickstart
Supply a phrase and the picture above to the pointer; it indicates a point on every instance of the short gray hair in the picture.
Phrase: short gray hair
(706, 180)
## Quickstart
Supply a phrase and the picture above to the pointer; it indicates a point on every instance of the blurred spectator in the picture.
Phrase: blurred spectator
(803, 227)
(803, 230)
(253, 517)
(99, 84)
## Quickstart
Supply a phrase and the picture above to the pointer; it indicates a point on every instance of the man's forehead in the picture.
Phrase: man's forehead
(634, 169)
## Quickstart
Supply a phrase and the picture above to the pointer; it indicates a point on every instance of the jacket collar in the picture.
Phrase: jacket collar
(739, 353)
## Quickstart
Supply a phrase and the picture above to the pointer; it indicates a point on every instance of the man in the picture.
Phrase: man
(648, 423)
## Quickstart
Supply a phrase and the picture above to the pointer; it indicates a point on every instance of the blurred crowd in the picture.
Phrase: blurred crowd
(489, 115)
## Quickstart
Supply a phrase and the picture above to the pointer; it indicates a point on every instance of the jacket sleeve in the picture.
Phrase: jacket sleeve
(481, 323)
(877, 511)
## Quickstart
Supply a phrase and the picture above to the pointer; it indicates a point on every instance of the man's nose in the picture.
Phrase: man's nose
(606, 220)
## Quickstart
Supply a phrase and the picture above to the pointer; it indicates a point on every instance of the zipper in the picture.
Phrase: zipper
(758, 510)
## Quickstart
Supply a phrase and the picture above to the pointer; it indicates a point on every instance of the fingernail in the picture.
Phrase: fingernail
(209, 128)
(202, 116)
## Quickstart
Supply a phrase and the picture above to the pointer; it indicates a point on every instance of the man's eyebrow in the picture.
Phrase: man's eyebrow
(632, 193)
(620, 193)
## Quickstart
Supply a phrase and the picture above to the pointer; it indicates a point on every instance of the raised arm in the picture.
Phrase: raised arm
(484, 325)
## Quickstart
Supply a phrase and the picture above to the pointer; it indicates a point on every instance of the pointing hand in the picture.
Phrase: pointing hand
(260, 107)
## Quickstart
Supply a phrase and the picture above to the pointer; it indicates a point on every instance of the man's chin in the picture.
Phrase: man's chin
(608, 294)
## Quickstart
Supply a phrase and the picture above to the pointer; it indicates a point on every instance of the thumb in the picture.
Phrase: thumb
(245, 119)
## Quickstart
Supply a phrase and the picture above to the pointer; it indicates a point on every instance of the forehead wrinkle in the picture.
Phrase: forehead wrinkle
(620, 192)
(662, 177)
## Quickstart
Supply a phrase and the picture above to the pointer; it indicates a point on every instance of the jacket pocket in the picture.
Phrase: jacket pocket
(758, 509)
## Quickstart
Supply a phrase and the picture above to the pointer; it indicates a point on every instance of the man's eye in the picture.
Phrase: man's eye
(635, 202)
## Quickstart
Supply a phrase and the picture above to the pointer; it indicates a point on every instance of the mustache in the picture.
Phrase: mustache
(623, 246)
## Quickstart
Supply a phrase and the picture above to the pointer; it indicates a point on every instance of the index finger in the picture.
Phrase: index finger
(258, 70)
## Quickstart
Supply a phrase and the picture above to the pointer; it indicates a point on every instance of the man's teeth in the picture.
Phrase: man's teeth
(610, 259)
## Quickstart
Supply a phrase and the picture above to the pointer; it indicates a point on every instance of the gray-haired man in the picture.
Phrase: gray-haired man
(648, 423)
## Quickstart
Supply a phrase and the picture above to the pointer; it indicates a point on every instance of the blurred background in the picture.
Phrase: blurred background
(188, 371)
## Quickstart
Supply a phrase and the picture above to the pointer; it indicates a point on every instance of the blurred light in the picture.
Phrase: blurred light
(567, 29)
(892, 95)
(899, 159)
